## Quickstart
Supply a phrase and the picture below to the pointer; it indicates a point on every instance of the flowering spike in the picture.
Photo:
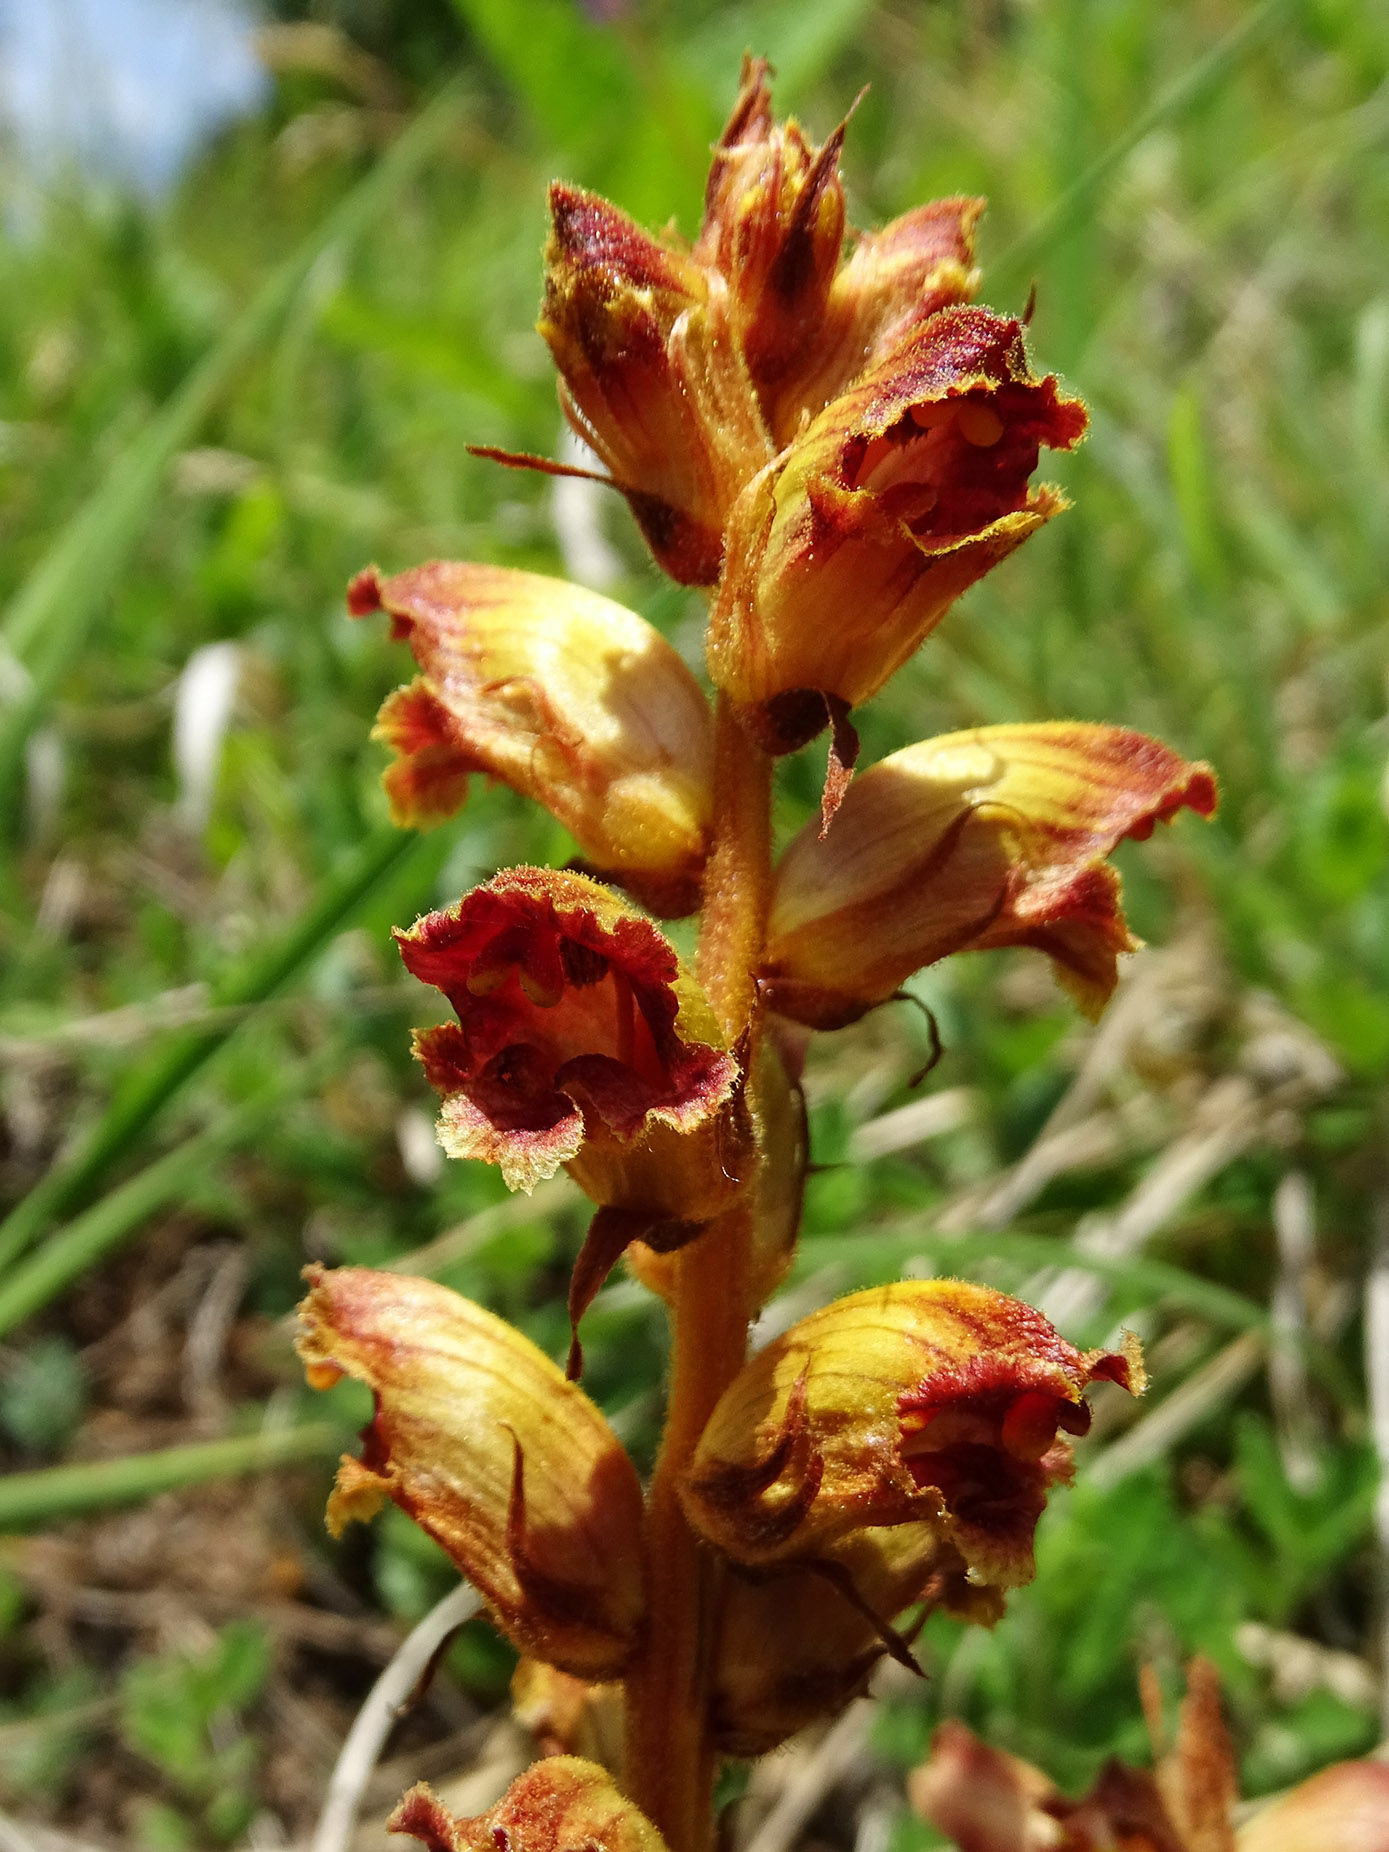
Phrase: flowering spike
(478, 1437)
(974, 840)
(562, 694)
(847, 551)
(925, 1402)
(560, 1804)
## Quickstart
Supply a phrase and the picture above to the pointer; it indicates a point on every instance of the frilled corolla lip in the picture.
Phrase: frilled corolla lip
(932, 1402)
(845, 552)
(568, 697)
(994, 837)
(575, 1023)
(478, 1437)
(559, 1804)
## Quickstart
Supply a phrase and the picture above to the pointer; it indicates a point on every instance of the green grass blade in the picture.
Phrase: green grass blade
(70, 1250)
(1010, 270)
(54, 609)
(63, 1491)
(1154, 1279)
(155, 1080)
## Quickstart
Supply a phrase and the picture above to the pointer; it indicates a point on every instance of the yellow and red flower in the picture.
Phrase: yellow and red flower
(994, 837)
(562, 694)
(479, 1438)
(845, 552)
(932, 1403)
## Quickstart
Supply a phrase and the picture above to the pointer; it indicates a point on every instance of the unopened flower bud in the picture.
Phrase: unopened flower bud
(652, 377)
(975, 840)
(846, 552)
(924, 1402)
(560, 1804)
(796, 1644)
(774, 226)
(564, 695)
(478, 1437)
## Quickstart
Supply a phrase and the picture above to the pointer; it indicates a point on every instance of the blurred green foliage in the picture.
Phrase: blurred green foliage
(1217, 294)
(182, 1712)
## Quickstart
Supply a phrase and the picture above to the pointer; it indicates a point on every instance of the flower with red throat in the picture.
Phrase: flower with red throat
(579, 1038)
(581, 1041)
(846, 552)
(932, 1403)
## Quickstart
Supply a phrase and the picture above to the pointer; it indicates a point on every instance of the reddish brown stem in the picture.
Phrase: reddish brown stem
(670, 1758)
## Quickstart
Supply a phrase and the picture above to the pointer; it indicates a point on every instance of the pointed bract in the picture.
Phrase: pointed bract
(795, 1644)
(975, 840)
(477, 1436)
(774, 225)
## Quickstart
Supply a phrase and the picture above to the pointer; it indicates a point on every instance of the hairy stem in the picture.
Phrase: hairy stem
(670, 1758)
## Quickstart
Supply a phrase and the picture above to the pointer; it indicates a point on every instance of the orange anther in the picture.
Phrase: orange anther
(980, 425)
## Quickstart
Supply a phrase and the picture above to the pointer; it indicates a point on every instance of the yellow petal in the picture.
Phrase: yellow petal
(561, 1804)
(923, 1402)
(975, 840)
(479, 1438)
(566, 696)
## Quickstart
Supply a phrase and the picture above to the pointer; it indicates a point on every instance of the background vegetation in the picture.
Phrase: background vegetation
(215, 410)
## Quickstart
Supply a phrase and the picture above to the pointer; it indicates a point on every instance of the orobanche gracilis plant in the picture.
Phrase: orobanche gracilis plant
(835, 448)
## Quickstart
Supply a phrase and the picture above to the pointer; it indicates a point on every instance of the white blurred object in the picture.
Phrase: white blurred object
(45, 764)
(202, 714)
(420, 1150)
(577, 507)
(124, 90)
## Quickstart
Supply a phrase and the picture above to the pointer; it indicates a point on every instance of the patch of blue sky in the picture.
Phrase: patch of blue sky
(124, 92)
